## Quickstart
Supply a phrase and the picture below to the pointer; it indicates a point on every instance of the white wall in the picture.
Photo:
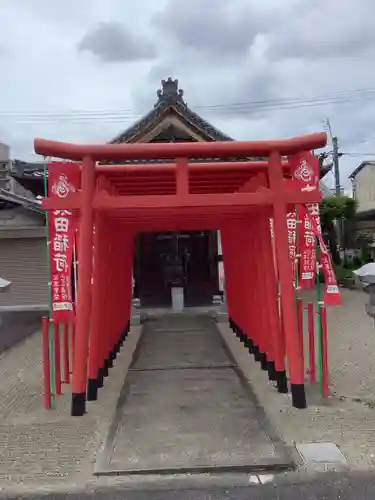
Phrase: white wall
(364, 188)
(4, 166)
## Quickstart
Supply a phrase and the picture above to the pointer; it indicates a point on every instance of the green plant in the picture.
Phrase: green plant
(343, 274)
(335, 208)
(365, 243)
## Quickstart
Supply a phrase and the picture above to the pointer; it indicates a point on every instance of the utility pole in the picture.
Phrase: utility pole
(335, 156)
(336, 167)
(336, 170)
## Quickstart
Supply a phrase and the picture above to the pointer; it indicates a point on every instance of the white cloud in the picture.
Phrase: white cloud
(221, 52)
(112, 42)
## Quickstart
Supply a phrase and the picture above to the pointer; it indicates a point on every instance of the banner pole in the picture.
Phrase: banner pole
(318, 313)
(50, 326)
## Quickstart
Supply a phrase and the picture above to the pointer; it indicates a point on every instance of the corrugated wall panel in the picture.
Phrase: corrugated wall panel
(23, 262)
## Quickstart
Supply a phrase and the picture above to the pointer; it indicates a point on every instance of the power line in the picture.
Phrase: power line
(294, 100)
(358, 154)
(240, 108)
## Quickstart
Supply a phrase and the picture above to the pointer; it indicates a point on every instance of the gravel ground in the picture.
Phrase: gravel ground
(347, 418)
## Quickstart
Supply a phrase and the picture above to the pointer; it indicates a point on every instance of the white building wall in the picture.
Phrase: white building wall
(4, 166)
(364, 188)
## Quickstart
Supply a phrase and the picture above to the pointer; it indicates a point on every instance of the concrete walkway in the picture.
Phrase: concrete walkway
(185, 409)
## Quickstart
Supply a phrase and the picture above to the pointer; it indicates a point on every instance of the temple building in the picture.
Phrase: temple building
(189, 259)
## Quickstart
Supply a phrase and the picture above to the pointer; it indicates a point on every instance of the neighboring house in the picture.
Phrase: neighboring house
(196, 255)
(5, 178)
(363, 182)
(22, 244)
(23, 254)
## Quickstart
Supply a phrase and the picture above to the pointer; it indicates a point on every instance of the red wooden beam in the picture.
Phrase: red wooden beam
(194, 168)
(174, 150)
(172, 202)
(150, 226)
(159, 179)
(103, 201)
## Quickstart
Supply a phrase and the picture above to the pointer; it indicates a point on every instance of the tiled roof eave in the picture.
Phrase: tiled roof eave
(203, 127)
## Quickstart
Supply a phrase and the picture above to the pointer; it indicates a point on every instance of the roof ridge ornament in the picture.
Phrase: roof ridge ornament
(170, 93)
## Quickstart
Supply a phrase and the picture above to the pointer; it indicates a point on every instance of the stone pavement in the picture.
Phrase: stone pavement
(16, 326)
(48, 450)
(348, 417)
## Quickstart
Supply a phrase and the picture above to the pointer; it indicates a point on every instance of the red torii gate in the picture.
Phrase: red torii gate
(236, 197)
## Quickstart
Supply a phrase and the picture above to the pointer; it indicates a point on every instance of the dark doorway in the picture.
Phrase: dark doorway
(171, 259)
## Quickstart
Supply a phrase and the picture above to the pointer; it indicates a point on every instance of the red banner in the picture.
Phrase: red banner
(291, 222)
(307, 246)
(314, 213)
(332, 296)
(305, 175)
(305, 171)
(273, 246)
(63, 179)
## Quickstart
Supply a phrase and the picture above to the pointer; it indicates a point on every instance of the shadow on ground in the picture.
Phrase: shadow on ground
(16, 326)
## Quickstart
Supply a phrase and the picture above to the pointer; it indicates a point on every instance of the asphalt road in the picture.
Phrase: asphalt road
(16, 326)
(324, 487)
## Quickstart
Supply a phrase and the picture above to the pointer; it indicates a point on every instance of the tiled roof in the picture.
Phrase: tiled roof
(13, 200)
(170, 100)
(360, 167)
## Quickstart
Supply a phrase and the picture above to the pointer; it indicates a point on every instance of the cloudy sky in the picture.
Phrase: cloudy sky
(84, 70)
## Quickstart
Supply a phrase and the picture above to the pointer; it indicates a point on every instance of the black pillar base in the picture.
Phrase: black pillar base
(250, 345)
(263, 361)
(78, 404)
(110, 360)
(271, 370)
(282, 382)
(105, 368)
(92, 389)
(298, 396)
(100, 378)
(257, 354)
